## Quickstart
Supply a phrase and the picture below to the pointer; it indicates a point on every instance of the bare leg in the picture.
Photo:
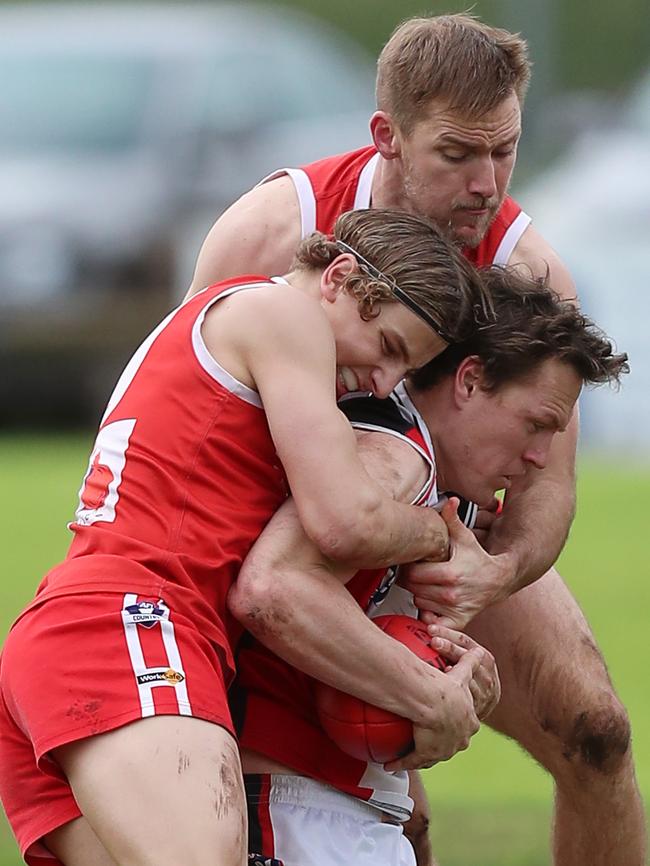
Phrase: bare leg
(559, 704)
(158, 792)
(416, 828)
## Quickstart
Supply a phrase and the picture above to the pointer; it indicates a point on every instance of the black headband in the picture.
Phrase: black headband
(400, 294)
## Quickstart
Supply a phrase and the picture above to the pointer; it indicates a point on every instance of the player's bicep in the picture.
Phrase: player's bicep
(295, 378)
(315, 444)
(281, 560)
(393, 463)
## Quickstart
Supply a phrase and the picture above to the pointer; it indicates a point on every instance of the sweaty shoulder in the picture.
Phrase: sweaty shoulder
(259, 233)
(535, 253)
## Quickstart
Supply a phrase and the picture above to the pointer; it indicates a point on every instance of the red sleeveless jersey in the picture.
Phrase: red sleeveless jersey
(337, 184)
(273, 703)
(182, 478)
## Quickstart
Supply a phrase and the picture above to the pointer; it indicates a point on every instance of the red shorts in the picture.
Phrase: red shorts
(79, 665)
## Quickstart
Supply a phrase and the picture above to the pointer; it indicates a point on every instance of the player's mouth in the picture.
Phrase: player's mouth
(475, 210)
(475, 213)
(346, 381)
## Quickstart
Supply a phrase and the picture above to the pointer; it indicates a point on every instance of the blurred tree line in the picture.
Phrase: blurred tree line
(586, 54)
(590, 43)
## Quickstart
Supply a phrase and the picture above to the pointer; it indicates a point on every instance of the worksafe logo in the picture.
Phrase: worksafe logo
(170, 676)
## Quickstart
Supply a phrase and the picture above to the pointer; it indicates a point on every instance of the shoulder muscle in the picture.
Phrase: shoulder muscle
(538, 256)
(259, 233)
(393, 463)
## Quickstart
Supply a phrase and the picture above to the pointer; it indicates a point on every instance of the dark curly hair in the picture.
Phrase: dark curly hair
(530, 324)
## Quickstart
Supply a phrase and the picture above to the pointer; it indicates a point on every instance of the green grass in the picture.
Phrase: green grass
(490, 805)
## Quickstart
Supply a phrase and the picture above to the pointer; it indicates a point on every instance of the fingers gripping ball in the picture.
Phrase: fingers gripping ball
(362, 730)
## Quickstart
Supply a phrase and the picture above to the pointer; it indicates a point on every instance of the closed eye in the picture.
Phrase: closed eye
(388, 349)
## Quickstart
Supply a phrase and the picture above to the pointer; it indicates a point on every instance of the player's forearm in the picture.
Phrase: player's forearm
(383, 534)
(532, 529)
(312, 622)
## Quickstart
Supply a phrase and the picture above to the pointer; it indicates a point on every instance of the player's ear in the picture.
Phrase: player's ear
(468, 379)
(334, 275)
(385, 135)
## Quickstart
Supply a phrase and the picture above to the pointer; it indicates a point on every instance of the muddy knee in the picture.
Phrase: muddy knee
(599, 738)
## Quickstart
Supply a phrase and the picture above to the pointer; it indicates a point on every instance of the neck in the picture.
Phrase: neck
(307, 280)
(387, 189)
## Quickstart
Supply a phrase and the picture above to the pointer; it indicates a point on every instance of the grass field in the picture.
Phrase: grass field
(491, 804)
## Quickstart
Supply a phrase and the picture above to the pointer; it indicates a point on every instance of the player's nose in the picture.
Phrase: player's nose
(537, 455)
(384, 379)
(483, 181)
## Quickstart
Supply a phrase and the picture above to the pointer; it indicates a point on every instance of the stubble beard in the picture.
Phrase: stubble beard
(415, 204)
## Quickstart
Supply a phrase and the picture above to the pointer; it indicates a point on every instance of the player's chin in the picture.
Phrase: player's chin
(471, 232)
(470, 236)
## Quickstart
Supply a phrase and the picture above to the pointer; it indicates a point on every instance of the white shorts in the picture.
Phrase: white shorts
(296, 821)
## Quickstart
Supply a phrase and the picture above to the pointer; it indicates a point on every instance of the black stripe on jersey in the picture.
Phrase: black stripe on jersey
(253, 785)
(237, 695)
(467, 511)
(364, 409)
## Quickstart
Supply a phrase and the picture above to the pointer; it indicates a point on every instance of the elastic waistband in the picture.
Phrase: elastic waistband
(302, 791)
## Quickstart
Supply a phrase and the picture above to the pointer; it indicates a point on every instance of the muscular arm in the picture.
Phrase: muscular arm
(258, 234)
(278, 340)
(295, 602)
(294, 599)
(534, 525)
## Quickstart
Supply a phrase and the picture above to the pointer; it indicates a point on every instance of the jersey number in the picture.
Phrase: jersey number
(99, 492)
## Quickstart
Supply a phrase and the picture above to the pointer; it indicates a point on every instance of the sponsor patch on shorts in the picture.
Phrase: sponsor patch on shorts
(169, 676)
(146, 613)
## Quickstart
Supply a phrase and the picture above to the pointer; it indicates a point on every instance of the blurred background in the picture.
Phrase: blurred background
(126, 129)
(124, 138)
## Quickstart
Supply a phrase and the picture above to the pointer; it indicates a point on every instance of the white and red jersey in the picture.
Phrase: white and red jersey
(273, 703)
(341, 183)
(182, 478)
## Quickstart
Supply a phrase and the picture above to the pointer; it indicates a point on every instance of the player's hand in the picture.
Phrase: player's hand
(484, 686)
(452, 722)
(452, 593)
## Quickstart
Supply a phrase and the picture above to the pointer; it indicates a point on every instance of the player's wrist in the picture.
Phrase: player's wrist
(508, 567)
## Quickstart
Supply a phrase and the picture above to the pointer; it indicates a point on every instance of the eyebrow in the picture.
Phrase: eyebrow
(452, 138)
(553, 420)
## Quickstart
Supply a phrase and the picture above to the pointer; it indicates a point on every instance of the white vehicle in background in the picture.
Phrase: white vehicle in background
(593, 205)
(125, 129)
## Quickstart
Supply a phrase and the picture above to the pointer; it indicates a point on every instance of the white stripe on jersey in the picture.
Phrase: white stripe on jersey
(208, 362)
(429, 486)
(203, 356)
(510, 239)
(364, 186)
(305, 193)
(140, 670)
(307, 199)
(134, 365)
(401, 396)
